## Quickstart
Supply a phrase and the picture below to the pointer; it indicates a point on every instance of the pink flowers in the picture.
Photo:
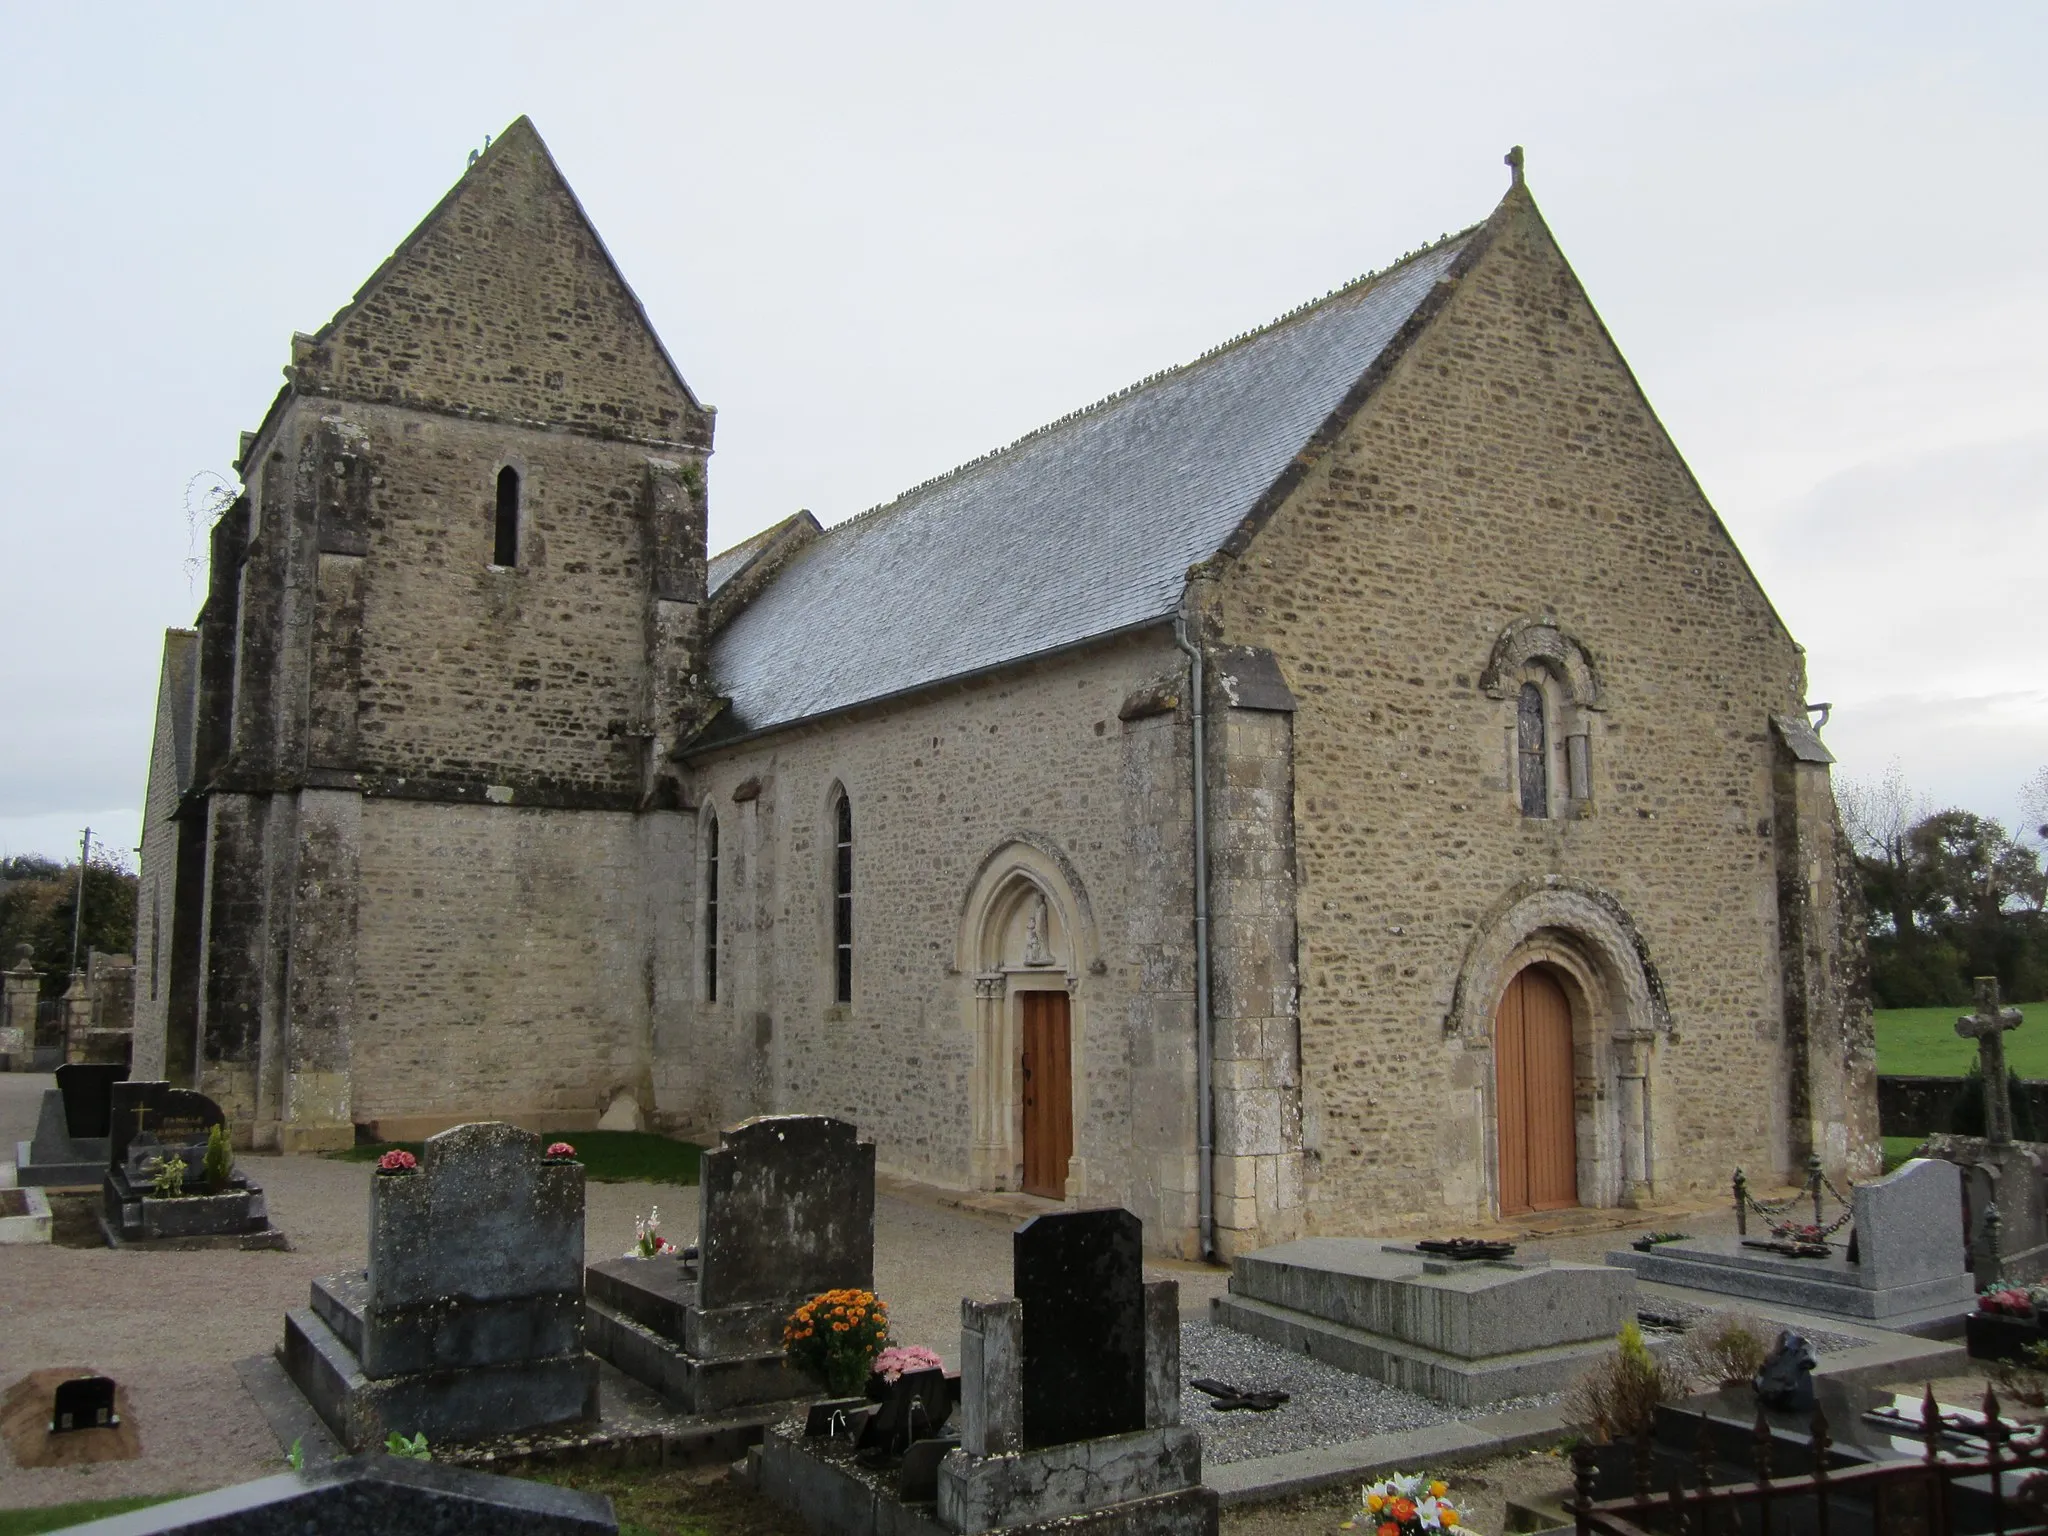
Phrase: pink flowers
(901, 1359)
(560, 1149)
(397, 1160)
(2012, 1301)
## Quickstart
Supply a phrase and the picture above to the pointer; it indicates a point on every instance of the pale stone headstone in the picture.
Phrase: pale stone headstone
(1909, 1224)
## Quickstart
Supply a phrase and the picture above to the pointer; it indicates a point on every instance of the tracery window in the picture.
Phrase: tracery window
(711, 910)
(842, 900)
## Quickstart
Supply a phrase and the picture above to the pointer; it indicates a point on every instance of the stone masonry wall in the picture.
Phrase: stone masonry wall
(1508, 468)
(156, 886)
(504, 963)
(938, 786)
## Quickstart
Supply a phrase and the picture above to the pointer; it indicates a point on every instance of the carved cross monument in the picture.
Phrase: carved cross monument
(1988, 1026)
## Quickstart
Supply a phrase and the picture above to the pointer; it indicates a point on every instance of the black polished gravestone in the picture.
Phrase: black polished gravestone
(84, 1402)
(150, 1123)
(70, 1145)
(1080, 1278)
(87, 1088)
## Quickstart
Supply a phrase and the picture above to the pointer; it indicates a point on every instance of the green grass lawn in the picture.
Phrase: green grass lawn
(54, 1517)
(609, 1157)
(1922, 1042)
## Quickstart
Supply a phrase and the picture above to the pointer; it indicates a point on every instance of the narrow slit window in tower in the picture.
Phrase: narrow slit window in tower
(505, 543)
(842, 905)
(711, 910)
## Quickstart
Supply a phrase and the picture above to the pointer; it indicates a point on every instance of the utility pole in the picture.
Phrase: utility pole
(78, 907)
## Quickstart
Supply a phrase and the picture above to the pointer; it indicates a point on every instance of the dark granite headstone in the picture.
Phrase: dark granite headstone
(375, 1496)
(1081, 1280)
(173, 1118)
(915, 1406)
(88, 1089)
(85, 1402)
(787, 1209)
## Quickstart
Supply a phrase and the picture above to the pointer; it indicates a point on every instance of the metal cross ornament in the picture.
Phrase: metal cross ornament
(1987, 1026)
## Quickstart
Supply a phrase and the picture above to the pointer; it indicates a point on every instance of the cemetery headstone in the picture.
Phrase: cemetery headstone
(1080, 1278)
(468, 1321)
(786, 1210)
(71, 1141)
(1909, 1227)
(151, 1125)
(84, 1402)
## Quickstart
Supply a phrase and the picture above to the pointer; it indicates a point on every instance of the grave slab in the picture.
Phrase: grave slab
(374, 1496)
(1912, 1275)
(1464, 1332)
(787, 1210)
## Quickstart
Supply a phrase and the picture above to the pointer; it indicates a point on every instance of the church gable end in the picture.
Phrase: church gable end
(504, 304)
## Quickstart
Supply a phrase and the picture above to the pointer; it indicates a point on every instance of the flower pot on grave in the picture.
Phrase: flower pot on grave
(2002, 1335)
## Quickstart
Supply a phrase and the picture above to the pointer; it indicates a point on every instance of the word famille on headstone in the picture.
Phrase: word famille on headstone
(157, 1118)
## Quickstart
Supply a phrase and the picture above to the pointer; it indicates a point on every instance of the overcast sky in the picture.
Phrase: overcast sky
(883, 240)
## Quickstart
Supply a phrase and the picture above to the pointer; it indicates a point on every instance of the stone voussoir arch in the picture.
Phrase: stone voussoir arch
(1555, 914)
(1020, 863)
(1542, 641)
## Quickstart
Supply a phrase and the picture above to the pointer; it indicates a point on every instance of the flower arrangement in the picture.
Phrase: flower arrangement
(899, 1360)
(1797, 1232)
(834, 1338)
(2006, 1301)
(648, 1243)
(397, 1160)
(1403, 1505)
(560, 1152)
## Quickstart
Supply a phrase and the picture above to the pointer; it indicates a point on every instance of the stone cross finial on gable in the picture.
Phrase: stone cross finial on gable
(1987, 1026)
(1513, 161)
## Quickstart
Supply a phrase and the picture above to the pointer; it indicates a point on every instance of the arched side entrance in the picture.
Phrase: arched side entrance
(1026, 936)
(1537, 1140)
(1598, 991)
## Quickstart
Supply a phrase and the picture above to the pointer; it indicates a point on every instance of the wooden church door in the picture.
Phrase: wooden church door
(1048, 1094)
(1532, 1052)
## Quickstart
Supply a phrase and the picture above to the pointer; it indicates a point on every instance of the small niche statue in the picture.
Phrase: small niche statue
(1035, 952)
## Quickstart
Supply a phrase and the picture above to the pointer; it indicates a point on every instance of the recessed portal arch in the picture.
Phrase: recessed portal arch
(1026, 936)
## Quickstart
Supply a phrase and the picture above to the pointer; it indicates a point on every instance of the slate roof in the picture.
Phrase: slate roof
(729, 563)
(1084, 528)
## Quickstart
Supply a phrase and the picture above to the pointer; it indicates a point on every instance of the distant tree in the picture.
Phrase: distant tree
(37, 898)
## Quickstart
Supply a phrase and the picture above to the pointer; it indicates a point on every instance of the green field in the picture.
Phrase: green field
(1922, 1042)
(608, 1157)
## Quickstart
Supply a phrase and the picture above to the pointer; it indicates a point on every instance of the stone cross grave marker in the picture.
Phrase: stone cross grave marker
(1080, 1278)
(787, 1210)
(1987, 1026)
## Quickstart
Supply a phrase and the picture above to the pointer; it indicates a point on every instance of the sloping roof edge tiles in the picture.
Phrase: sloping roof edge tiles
(1080, 530)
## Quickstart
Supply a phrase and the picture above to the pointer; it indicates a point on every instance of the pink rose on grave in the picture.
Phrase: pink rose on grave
(561, 1149)
(901, 1359)
(397, 1160)
(2009, 1300)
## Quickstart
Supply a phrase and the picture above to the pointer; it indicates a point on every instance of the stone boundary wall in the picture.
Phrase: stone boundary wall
(1918, 1106)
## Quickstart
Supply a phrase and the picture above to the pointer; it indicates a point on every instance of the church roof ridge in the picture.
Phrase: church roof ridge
(1343, 290)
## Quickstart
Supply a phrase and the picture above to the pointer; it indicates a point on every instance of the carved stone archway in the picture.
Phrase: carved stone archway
(1618, 1013)
(1025, 925)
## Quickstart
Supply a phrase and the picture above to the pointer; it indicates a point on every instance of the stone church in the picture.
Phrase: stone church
(1349, 782)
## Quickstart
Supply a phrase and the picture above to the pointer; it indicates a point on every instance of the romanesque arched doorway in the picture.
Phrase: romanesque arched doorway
(1536, 1137)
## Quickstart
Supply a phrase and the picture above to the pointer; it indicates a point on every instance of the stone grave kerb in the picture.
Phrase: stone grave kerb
(1079, 1280)
(486, 1217)
(786, 1209)
(1909, 1224)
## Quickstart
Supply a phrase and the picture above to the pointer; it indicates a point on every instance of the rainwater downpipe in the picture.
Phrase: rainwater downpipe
(1205, 1114)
